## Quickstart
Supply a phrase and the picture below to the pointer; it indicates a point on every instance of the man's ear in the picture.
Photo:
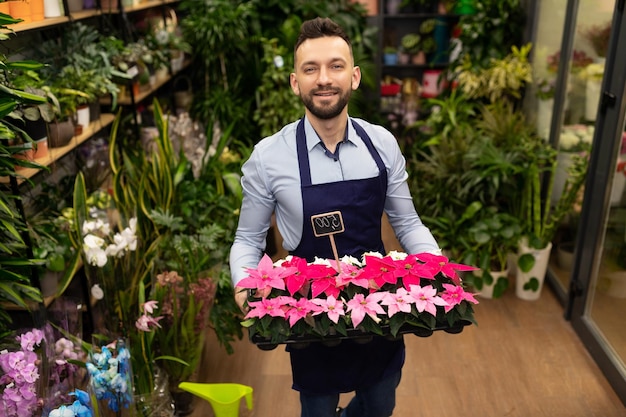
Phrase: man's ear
(356, 77)
(294, 84)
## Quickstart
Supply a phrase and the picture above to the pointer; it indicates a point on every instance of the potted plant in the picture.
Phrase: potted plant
(598, 37)
(390, 55)
(493, 235)
(541, 218)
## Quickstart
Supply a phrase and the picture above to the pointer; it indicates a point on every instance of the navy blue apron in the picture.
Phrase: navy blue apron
(320, 369)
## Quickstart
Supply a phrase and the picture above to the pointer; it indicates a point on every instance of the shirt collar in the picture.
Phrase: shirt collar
(312, 139)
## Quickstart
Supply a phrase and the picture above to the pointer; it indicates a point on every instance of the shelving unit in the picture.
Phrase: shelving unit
(413, 80)
(54, 154)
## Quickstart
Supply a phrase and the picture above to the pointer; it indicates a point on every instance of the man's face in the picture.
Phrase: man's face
(325, 76)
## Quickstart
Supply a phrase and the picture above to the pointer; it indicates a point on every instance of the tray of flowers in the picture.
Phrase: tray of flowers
(296, 302)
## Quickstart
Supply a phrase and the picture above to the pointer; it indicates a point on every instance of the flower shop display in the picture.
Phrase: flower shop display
(294, 301)
(574, 140)
(598, 37)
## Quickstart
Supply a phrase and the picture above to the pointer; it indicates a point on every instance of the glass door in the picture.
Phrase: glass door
(597, 289)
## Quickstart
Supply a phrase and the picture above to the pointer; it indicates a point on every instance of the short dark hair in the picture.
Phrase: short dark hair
(318, 28)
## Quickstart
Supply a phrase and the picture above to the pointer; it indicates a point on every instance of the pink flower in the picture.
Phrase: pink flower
(411, 272)
(265, 277)
(298, 309)
(331, 306)
(426, 298)
(440, 263)
(146, 323)
(360, 305)
(351, 274)
(267, 306)
(454, 294)
(401, 300)
(380, 270)
(296, 281)
(150, 306)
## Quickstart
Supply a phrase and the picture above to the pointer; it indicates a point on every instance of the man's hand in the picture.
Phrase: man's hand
(241, 296)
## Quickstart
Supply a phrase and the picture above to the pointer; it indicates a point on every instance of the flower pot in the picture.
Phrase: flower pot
(544, 117)
(36, 10)
(94, 111)
(592, 97)
(89, 4)
(499, 280)
(431, 84)
(60, 133)
(52, 8)
(75, 5)
(528, 284)
(565, 255)
(41, 148)
(419, 58)
(20, 9)
(109, 5)
(393, 6)
(183, 93)
(391, 59)
(82, 116)
(5, 8)
(26, 154)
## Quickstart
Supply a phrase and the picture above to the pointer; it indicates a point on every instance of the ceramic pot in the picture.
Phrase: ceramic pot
(592, 97)
(60, 133)
(497, 286)
(565, 255)
(528, 284)
(52, 8)
(544, 117)
(75, 5)
(94, 111)
(41, 148)
(36, 10)
(20, 9)
(82, 116)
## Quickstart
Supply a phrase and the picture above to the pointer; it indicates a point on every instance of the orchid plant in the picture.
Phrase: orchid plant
(378, 295)
(81, 407)
(110, 376)
(20, 375)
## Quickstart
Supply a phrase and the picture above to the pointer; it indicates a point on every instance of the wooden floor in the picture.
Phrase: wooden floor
(522, 360)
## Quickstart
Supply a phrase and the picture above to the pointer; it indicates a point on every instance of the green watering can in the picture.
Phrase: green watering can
(224, 398)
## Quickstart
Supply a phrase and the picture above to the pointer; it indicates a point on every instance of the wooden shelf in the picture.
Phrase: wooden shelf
(125, 100)
(54, 154)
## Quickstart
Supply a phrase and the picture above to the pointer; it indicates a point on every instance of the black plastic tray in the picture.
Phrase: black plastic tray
(356, 335)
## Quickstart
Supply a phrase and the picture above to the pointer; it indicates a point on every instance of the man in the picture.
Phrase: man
(328, 162)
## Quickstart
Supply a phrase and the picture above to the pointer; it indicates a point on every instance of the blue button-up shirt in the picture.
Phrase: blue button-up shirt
(271, 184)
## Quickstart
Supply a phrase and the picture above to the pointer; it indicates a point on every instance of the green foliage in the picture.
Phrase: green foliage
(490, 33)
(277, 105)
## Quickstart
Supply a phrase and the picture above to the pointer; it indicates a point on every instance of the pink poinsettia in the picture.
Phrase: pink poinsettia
(426, 298)
(399, 301)
(265, 277)
(411, 272)
(380, 271)
(360, 305)
(441, 264)
(267, 307)
(454, 295)
(297, 309)
(332, 307)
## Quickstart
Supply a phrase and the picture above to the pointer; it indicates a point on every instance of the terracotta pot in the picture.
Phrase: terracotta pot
(20, 9)
(28, 154)
(109, 5)
(75, 5)
(41, 148)
(36, 10)
(5, 8)
(60, 133)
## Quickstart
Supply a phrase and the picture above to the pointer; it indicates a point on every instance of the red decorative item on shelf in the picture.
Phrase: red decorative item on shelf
(390, 89)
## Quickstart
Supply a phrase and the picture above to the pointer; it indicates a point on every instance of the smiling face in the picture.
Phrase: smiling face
(325, 76)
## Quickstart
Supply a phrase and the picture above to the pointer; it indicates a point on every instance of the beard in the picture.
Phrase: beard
(326, 111)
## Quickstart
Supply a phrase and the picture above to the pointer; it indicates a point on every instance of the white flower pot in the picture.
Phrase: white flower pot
(82, 116)
(528, 285)
(487, 290)
(592, 97)
(563, 161)
(52, 8)
(544, 117)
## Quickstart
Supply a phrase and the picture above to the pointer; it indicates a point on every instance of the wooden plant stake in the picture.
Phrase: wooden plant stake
(329, 224)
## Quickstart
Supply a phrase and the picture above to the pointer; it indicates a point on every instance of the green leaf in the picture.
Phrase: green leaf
(526, 262)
